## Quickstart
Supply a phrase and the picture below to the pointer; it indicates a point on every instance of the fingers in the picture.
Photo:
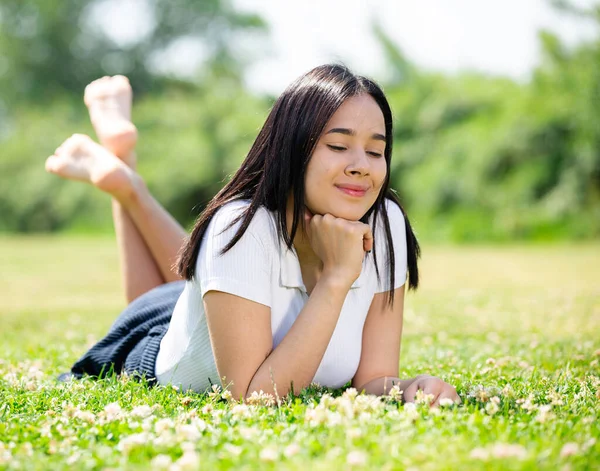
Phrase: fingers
(447, 395)
(367, 238)
(411, 392)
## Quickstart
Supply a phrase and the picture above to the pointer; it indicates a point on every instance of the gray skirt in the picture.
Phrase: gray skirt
(133, 341)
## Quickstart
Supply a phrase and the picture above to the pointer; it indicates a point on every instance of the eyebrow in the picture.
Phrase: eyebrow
(351, 132)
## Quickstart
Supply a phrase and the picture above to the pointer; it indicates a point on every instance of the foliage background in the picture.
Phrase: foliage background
(476, 157)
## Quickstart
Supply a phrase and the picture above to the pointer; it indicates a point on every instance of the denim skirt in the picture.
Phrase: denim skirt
(133, 341)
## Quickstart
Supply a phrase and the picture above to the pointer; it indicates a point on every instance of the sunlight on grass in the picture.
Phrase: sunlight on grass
(514, 328)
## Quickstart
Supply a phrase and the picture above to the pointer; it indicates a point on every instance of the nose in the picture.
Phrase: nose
(359, 163)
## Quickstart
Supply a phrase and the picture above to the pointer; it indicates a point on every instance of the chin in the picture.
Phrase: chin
(348, 213)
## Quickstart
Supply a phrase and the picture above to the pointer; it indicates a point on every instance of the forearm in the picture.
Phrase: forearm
(162, 233)
(382, 386)
(297, 358)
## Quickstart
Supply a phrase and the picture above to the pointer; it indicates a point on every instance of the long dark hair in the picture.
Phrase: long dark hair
(277, 161)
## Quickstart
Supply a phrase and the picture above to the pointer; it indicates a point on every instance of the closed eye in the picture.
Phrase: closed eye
(336, 148)
(375, 154)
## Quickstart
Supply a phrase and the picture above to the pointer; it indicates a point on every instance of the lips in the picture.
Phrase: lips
(353, 190)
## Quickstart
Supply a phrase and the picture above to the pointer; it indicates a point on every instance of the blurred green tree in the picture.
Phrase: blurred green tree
(480, 158)
(49, 48)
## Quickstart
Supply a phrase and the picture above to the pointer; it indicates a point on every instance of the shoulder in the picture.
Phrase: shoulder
(395, 217)
(229, 218)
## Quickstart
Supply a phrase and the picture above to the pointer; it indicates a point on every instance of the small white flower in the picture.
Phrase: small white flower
(190, 460)
(291, 450)
(446, 402)
(132, 441)
(479, 454)
(142, 411)
(163, 425)
(491, 408)
(569, 449)
(261, 399)
(161, 462)
(502, 450)
(268, 454)
(232, 449)
(422, 398)
(188, 432)
(356, 458)
(112, 411)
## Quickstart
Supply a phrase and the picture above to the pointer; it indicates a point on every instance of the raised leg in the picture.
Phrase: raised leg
(109, 102)
(80, 158)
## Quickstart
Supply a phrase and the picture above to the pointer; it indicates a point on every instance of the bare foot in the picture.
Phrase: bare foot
(109, 102)
(80, 158)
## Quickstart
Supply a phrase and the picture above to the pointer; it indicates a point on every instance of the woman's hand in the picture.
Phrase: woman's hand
(431, 385)
(340, 244)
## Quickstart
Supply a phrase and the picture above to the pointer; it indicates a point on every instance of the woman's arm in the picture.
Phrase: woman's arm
(379, 362)
(243, 345)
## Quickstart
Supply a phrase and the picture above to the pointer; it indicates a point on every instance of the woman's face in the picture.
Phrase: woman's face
(348, 168)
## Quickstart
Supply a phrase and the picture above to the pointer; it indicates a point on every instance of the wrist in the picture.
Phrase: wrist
(335, 282)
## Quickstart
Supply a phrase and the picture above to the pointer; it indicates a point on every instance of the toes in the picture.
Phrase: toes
(51, 164)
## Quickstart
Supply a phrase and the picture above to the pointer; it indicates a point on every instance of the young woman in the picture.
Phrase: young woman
(294, 273)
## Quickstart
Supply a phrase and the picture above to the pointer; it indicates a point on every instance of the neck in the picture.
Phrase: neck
(306, 255)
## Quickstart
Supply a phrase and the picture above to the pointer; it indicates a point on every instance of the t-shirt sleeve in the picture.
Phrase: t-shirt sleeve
(244, 270)
(397, 227)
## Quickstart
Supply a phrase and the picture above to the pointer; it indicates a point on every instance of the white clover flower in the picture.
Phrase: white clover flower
(215, 392)
(422, 398)
(269, 454)
(502, 450)
(188, 432)
(241, 411)
(569, 449)
(354, 432)
(85, 416)
(27, 449)
(350, 393)
(528, 404)
(446, 402)
(261, 399)
(190, 460)
(544, 413)
(479, 454)
(326, 400)
(227, 395)
(291, 450)
(71, 460)
(232, 449)
(396, 393)
(112, 411)
(161, 462)
(334, 418)
(247, 433)
(130, 442)
(315, 416)
(356, 458)
(163, 425)
(142, 411)
(491, 408)
(555, 398)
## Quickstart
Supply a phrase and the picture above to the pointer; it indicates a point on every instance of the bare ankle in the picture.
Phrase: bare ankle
(133, 193)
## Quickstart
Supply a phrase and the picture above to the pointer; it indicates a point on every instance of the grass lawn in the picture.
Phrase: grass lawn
(515, 328)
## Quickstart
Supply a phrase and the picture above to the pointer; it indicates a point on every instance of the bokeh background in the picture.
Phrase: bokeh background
(497, 104)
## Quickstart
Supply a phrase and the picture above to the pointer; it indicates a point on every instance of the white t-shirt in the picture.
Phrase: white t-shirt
(261, 268)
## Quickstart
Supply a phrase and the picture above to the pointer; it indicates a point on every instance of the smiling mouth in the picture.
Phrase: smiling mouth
(351, 192)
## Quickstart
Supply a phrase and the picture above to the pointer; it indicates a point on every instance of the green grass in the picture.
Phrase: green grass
(520, 323)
